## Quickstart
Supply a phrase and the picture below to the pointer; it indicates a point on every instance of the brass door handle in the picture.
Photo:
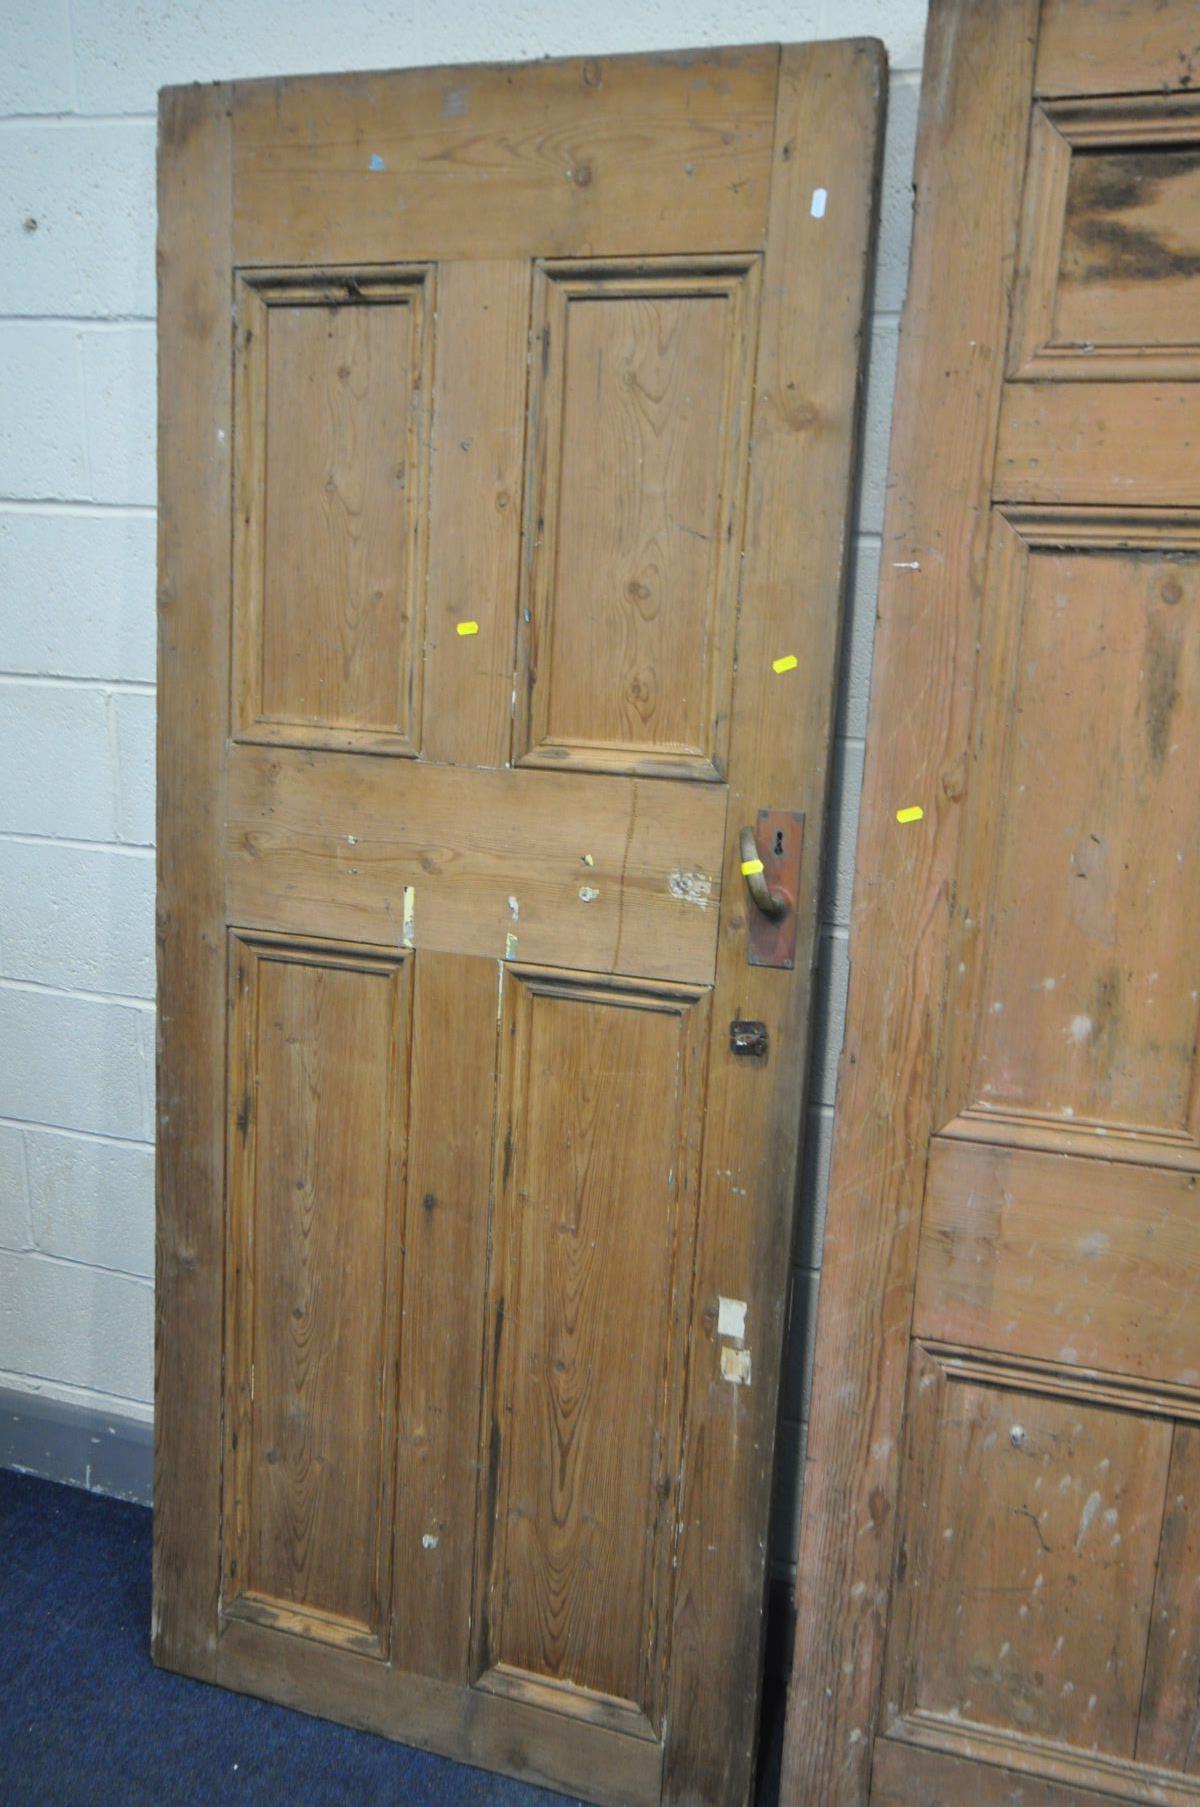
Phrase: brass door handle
(771, 903)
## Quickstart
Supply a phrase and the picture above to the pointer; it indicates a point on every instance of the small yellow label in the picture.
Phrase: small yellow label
(912, 814)
(468, 627)
(788, 662)
(750, 867)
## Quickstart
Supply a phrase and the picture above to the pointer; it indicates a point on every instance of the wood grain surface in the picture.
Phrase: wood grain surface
(540, 388)
(1006, 1381)
(600, 1102)
(970, 160)
(331, 846)
(805, 429)
(622, 155)
(195, 431)
(319, 1042)
(633, 591)
(1116, 46)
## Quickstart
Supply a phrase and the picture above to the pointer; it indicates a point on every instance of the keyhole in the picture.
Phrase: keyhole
(779, 843)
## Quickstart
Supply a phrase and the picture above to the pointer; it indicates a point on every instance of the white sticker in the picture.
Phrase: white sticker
(410, 910)
(731, 1317)
(735, 1366)
(820, 196)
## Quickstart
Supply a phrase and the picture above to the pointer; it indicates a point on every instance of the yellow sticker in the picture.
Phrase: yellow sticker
(468, 627)
(912, 814)
(750, 867)
(788, 662)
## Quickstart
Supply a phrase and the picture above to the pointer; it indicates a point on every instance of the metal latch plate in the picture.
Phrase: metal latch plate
(780, 837)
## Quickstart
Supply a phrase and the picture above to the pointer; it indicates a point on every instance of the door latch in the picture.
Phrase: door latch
(748, 1037)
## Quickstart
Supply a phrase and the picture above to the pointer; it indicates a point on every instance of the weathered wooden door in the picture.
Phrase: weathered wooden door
(507, 425)
(1000, 1557)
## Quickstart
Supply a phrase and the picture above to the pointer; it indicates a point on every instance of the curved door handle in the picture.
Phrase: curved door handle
(771, 903)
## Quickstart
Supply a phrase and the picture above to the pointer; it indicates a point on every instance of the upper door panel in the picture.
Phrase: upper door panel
(639, 419)
(331, 437)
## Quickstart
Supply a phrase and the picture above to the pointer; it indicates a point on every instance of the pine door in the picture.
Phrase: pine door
(1000, 1559)
(507, 427)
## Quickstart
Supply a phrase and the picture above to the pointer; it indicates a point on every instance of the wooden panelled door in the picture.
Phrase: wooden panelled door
(507, 434)
(999, 1595)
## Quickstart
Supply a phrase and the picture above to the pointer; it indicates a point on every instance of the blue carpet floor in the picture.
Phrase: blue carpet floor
(87, 1721)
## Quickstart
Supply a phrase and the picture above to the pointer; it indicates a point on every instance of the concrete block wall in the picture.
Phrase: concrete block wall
(78, 85)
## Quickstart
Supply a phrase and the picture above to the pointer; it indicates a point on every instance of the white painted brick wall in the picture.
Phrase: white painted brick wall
(78, 86)
(73, 589)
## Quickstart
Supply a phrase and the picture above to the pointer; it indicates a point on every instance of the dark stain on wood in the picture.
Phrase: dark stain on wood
(1107, 1012)
(1097, 247)
(1162, 686)
(492, 1483)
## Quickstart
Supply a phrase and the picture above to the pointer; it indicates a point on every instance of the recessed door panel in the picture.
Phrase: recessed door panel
(637, 479)
(317, 1047)
(1131, 247)
(1169, 1730)
(1024, 1506)
(596, 1212)
(1090, 1005)
(1109, 282)
(332, 450)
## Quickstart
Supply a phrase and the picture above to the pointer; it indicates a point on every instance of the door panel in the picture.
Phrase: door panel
(1008, 1312)
(601, 1103)
(1080, 996)
(493, 630)
(633, 598)
(1030, 1560)
(1130, 217)
(318, 1051)
(1110, 256)
(1169, 1732)
(330, 450)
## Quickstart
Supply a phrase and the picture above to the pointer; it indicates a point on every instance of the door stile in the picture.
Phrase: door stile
(828, 140)
(195, 441)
